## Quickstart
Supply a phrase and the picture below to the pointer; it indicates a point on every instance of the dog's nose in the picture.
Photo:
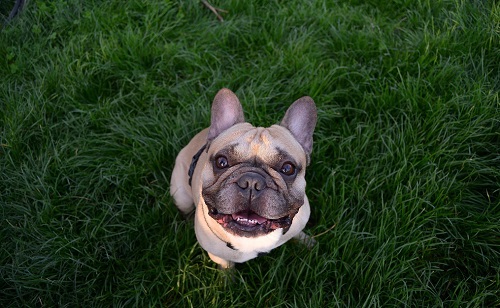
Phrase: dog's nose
(252, 182)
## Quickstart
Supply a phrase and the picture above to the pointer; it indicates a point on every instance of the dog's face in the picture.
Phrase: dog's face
(253, 182)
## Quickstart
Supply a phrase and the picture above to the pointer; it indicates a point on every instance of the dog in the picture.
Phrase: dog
(245, 183)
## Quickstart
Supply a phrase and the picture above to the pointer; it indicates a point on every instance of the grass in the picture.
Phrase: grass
(97, 98)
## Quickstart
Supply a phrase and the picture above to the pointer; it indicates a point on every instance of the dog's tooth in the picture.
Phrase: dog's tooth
(247, 221)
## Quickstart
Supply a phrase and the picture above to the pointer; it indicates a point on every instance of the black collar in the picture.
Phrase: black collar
(194, 161)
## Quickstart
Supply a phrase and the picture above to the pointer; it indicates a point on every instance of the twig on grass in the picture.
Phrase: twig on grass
(214, 10)
(18, 6)
(324, 232)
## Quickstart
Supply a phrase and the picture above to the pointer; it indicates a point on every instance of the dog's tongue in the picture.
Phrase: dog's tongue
(248, 218)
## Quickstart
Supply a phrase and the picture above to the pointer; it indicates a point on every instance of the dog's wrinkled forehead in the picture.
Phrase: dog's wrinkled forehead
(256, 142)
(268, 144)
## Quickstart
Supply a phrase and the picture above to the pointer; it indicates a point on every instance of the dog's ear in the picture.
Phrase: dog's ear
(226, 112)
(300, 120)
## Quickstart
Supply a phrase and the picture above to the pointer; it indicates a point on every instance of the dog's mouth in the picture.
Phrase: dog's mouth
(248, 223)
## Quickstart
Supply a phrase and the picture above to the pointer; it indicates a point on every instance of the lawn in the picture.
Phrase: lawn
(98, 97)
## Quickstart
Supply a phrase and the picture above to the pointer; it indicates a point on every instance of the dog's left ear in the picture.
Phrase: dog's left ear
(300, 120)
(226, 112)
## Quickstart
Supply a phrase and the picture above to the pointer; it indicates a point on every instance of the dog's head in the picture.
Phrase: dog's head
(253, 181)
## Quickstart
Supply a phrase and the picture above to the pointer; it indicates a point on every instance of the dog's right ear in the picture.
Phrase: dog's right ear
(226, 112)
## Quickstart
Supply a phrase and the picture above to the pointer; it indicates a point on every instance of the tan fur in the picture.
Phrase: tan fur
(256, 152)
(211, 236)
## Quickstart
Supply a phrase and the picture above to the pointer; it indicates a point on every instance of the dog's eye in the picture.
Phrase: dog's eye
(288, 168)
(221, 162)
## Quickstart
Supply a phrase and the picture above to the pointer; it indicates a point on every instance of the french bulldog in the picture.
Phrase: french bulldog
(245, 183)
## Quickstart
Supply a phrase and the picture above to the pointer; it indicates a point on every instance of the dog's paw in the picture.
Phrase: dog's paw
(305, 239)
(223, 264)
